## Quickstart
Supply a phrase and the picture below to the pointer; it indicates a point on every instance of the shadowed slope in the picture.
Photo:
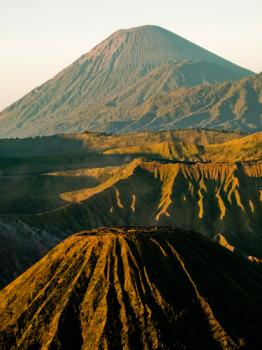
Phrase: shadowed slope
(208, 198)
(89, 182)
(21, 246)
(139, 288)
(88, 142)
(137, 62)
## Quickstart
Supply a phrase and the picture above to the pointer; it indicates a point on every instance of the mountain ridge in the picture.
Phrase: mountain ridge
(147, 56)
(108, 288)
(199, 180)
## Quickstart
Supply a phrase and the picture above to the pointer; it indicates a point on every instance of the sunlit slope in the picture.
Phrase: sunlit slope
(90, 142)
(134, 289)
(140, 63)
(209, 198)
(246, 148)
(69, 183)
(42, 168)
(90, 150)
(240, 149)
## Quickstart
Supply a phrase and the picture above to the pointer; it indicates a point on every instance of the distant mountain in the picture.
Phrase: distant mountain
(69, 183)
(101, 89)
(134, 288)
(235, 105)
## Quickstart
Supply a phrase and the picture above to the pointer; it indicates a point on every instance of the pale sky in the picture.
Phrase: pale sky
(38, 38)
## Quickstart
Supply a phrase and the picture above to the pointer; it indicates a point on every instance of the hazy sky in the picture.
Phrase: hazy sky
(38, 38)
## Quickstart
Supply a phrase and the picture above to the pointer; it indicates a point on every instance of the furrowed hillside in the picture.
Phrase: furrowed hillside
(111, 88)
(152, 179)
(134, 288)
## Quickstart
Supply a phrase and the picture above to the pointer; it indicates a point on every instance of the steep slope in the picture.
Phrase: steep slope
(86, 160)
(224, 243)
(141, 62)
(207, 198)
(233, 105)
(203, 187)
(137, 288)
(21, 246)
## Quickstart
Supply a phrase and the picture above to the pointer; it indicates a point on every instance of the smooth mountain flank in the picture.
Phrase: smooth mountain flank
(113, 87)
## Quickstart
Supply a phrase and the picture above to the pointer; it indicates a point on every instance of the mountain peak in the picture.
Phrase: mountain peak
(145, 27)
(142, 61)
(108, 288)
(152, 44)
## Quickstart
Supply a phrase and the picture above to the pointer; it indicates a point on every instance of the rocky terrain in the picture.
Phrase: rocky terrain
(69, 183)
(150, 148)
(134, 288)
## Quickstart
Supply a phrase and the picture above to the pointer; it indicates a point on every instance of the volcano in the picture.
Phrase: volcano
(134, 288)
(201, 181)
(99, 91)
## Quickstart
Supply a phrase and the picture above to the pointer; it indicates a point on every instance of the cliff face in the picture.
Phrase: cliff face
(136, 288)
(73, 182)
(208, 198)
